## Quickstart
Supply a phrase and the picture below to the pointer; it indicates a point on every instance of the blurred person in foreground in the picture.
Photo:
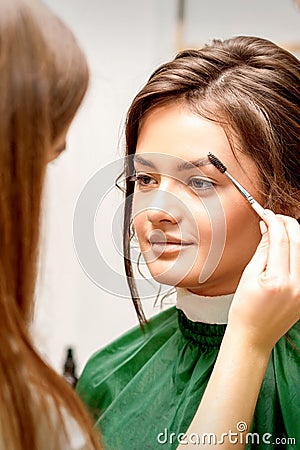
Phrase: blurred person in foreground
(43, 79)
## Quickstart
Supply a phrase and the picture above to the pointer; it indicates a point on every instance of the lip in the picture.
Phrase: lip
(167, 244)
(166, 248)
(156, 238)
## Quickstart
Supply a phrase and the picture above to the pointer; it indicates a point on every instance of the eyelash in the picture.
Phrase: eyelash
(137, 178)
(210, 184)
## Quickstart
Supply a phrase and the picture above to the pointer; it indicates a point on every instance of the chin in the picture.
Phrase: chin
(164, 278)
(175, 278)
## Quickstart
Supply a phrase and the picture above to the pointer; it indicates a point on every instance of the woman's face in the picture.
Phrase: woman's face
(194, 228)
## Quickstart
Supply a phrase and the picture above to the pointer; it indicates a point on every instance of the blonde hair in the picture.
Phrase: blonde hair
(43, 79)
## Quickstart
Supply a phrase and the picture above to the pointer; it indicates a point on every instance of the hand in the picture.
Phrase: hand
(267, 301)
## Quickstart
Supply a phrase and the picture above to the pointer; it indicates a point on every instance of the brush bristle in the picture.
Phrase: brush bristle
(217, 163)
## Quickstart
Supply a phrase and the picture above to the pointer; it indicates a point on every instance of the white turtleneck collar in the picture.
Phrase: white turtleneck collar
(200, 308)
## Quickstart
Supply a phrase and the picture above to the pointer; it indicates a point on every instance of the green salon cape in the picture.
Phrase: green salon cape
(144, 388)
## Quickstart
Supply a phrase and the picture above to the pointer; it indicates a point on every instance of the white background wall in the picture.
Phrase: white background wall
(124, 41)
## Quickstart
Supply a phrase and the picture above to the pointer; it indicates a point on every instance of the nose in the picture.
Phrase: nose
(164, 207)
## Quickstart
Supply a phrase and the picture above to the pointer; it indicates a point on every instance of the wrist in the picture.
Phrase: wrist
(247, 342)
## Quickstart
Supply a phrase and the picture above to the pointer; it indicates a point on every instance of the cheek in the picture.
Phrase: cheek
(138, 216)
(203, 225)
(211, 220)
(243, 234)
(212, 231)
(139, 223)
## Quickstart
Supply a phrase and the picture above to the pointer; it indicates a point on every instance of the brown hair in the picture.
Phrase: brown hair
(43, 78)
(248, 85)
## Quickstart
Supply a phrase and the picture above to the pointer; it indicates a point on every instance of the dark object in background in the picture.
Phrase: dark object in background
(70, 369)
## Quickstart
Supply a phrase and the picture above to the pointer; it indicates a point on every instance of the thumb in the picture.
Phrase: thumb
(259, 260)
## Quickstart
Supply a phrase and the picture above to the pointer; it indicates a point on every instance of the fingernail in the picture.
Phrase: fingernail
(263, 227)
(269, 213)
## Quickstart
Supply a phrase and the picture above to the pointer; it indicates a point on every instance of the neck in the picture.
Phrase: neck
(200, 308)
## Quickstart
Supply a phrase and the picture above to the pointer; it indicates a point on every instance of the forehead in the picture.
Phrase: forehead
(172, 134)
(176, 132)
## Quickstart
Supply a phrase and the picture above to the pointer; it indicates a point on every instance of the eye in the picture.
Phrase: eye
(143, 179)
(199, 184)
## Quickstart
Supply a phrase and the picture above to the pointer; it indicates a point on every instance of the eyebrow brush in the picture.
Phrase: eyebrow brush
(223, 169)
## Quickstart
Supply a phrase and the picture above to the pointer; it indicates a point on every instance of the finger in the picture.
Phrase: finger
(279, 252)
(293, 231)
(263, 227)
(259, 259)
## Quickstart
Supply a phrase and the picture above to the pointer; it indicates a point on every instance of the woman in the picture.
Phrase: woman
(43, 78)
(239, 100)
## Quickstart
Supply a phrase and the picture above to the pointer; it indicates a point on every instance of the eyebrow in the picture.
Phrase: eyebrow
(186, 165)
